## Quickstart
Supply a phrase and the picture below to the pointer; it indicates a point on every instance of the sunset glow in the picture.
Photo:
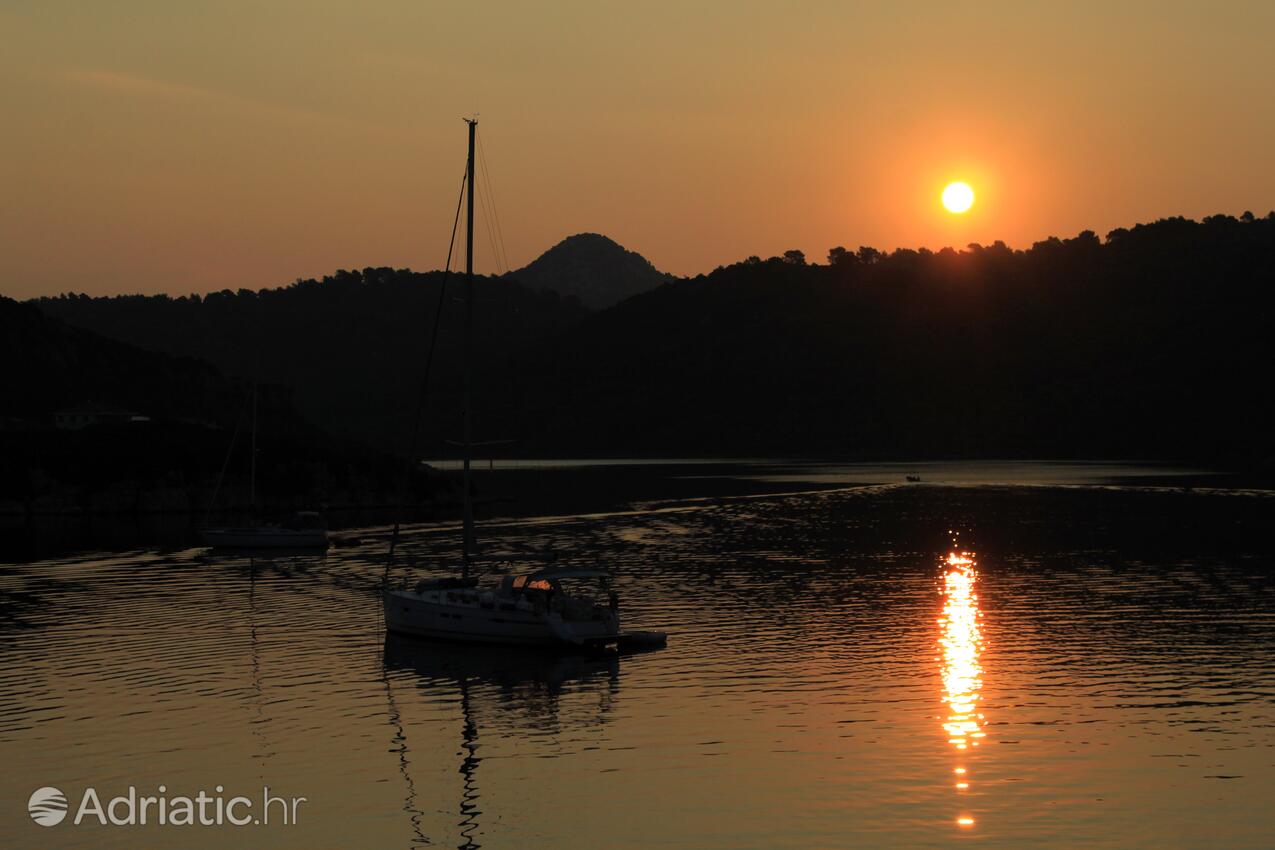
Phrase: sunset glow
(958, 197)
(120, 115)
(660, 424)
(960, 639)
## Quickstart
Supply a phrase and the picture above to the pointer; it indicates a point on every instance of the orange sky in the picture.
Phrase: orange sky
(183, 147)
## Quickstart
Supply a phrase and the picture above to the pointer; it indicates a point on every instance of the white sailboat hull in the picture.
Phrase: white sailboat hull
(428, 616)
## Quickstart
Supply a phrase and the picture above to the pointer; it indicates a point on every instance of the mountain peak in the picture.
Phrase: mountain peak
(592, 267)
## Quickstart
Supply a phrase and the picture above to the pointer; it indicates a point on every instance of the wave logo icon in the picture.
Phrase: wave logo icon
(47, 806)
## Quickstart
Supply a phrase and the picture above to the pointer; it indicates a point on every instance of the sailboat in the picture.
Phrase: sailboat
(305, 530)
(548, 607)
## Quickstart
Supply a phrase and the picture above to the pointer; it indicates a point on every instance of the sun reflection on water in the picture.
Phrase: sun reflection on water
(961, 641)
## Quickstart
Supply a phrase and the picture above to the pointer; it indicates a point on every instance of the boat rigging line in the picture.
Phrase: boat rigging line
(221, 476)
(498, 242)
(411, 460)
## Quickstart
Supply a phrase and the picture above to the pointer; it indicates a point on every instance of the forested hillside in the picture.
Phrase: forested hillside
(1155, 341)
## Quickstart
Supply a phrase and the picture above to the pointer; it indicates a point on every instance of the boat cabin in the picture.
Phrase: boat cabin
(552, 581)
(571, 592)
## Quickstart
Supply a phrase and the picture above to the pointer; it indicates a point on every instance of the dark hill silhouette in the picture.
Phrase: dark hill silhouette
(1154, 342)
(592, 268)
(63, 366)
(352, 344)
(167, 453)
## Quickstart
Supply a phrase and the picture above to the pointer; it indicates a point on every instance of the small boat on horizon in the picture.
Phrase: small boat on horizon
(304, 530)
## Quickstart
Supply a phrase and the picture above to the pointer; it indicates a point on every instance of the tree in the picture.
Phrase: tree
(839, 256)
(795, 257)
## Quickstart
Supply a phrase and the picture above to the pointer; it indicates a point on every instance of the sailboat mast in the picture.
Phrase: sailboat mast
(252, 461)
(468, 542)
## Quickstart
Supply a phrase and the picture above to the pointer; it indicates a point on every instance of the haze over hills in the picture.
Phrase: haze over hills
(1151, 343)
(592, 268)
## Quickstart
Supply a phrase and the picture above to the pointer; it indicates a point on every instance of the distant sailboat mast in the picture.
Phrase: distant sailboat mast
(252, 451)
(468, 534)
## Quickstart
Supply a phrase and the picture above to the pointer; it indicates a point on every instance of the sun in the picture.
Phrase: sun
(958, 197)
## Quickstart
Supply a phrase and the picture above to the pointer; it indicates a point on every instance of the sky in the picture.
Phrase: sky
(189, 147)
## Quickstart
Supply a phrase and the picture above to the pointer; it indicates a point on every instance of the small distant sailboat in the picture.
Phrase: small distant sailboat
(305, 530)
(546, 608)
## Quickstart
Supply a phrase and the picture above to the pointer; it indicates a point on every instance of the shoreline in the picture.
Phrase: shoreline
(587, 488)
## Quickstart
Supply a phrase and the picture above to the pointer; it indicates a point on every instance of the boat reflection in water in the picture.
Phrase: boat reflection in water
(502, 689)
(961, 641)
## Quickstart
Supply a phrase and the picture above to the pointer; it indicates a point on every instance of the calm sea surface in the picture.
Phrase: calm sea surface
(1099, 672)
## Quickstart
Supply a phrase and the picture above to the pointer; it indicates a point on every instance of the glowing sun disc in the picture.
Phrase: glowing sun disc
(958, 197)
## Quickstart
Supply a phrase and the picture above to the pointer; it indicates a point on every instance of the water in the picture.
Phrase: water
(1102, 670)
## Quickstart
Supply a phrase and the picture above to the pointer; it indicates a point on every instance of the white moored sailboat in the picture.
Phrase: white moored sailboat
(546, 607)
(542, 608)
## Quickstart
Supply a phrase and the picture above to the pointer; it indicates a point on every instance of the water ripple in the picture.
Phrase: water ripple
(1123, 659)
